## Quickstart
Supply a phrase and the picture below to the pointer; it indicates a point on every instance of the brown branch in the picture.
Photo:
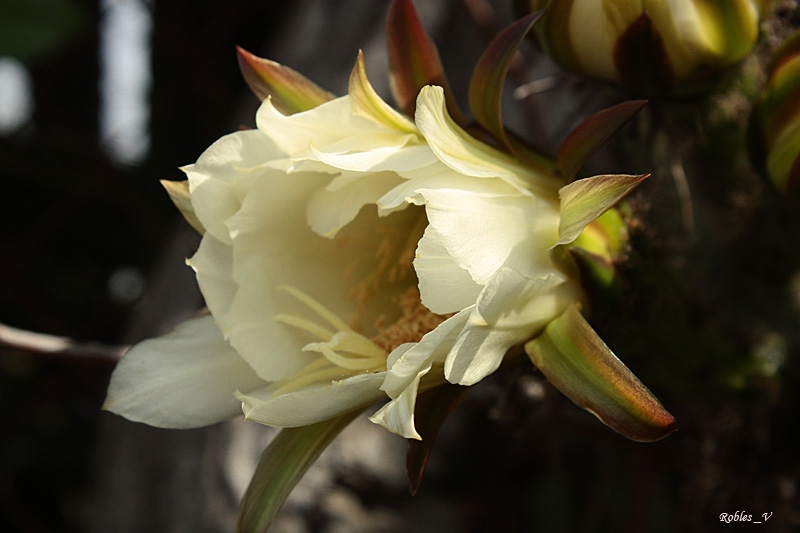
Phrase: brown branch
(61, 348)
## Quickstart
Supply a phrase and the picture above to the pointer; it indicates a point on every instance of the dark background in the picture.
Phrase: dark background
(91, 248)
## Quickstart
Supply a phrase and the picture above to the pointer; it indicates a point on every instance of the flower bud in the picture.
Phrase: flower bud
(779, 118)
(648, 46)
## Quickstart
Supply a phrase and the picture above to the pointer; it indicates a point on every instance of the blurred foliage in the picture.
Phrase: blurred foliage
(32, 30)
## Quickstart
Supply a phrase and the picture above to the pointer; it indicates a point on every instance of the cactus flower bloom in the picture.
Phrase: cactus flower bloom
(351, 255)
(311, 292)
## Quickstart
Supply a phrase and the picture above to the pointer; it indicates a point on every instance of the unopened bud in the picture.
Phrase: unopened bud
(648, 46)
(779, 118)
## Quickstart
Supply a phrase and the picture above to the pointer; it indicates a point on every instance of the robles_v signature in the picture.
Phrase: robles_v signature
(741, 516)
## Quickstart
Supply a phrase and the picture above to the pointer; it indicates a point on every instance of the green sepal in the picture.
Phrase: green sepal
(291, 92)
(583, 201)
(593, 133)
(414, 60)
(489, 76)
(577, 362)
(432, 408)
(281, 466)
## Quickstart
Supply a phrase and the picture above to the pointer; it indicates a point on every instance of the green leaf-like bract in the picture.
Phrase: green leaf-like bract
(291, 92)
(584, 200)
(592, 133)
(282, 465)
(414, 59)
(489, 76)
(579, 364)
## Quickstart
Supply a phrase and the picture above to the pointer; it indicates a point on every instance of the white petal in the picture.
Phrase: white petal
(511, 309)
(398, 415)
(273, 246)
(213, 265)
(444, 287)
(331, 210)
(321, 126)
(407, 365)
(376, 152)
(435, 177)
(477, 353)
(184, 379)
(511, 298)
(219, 179)
(465, 154)
(431, 349)
(484, 233)
(315, 404)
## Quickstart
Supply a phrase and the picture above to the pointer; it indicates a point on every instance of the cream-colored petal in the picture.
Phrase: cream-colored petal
(213, 265)
(273, 246)
(512, 300)
(511, 309)
(184, 379)
(444, 287)
(438, 176)
(376, 152)
(321, 126)
(477, 353)
(398, 414)
(484, 233)
(220, 178)
(406, 361)
(465, 154)
(313, 404)
(330, 210)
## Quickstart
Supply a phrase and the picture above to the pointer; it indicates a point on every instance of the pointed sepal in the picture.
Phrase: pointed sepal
(414, 59)
(366, 102)
(432, 409)
(577, 362)
(291, 92)
(591, 134)
(281, 466)
(179, 194)
(489, 76)
(585, 200)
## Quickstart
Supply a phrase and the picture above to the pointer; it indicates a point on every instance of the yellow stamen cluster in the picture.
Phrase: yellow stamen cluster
(345, 352)
(394, 255)
(416, 321)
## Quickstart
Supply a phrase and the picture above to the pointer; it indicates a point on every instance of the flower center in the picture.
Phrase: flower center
(342, 346)
(344, 352)
(394, 256)
(416, 321)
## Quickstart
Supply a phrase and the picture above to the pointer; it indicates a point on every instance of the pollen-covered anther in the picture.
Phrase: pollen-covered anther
(415, 322)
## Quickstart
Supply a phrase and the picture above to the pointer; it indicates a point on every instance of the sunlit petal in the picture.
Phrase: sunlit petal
(313, 404)
(184, 379)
